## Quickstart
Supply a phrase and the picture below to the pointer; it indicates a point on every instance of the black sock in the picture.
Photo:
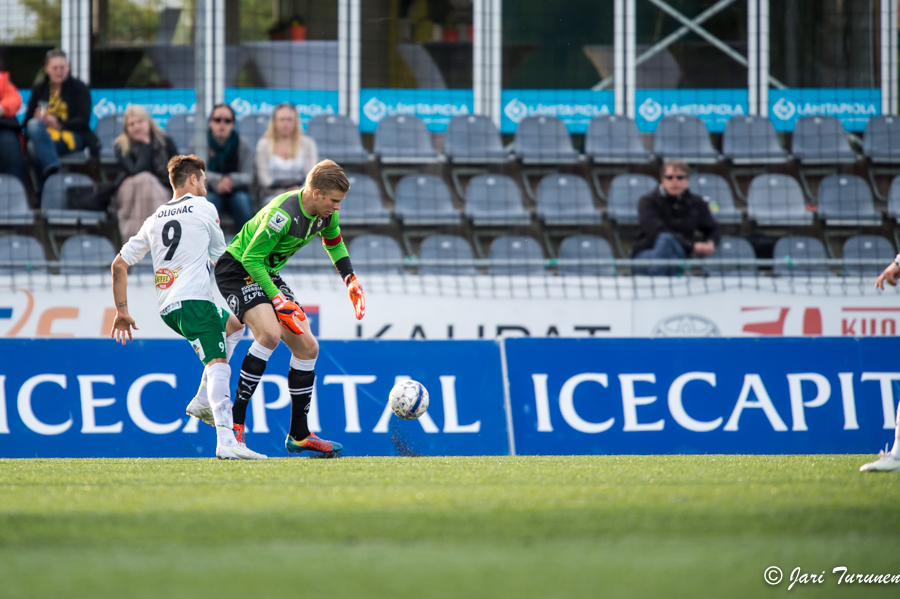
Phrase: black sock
(251, 370)
(300, 384)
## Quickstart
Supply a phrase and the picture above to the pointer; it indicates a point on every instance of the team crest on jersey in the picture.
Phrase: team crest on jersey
(277, 222)
(165, 278)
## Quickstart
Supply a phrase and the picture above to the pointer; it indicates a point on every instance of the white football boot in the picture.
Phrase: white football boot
(200, 412)
(237, 452)
(885, 463)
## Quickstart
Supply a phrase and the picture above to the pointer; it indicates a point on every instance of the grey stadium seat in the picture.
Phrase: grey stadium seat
(14, 208)
(624, 193)
(881, 141)
(54, 203)
(404, 139)
(83, 254)
(383, 251)
(314, 251)
(845, 200)
(777, 200)
(614, 139)
(731, 248)
(508, 249)
(585, 247)
(253, 126)
(180, 127)
(450, 248)
(684, 137)
(566, 200)
(789, 249)
(867, 247)
(108, 129)
(495, 200)
(821, 140)
(544, 140)
(717, 193)
(752, 140)
(363, 205)
(19, 248)
(473, 139)
(424, 200)
(337, 138)
(894, 199)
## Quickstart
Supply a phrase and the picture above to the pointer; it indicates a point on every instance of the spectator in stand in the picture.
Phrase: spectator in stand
(668, 218)
(143, 152)
(12, 161)
(284, 155)
(229, 170)
(58, 116)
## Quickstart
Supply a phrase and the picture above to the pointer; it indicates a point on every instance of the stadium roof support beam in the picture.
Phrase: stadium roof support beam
(487, 58)
(75, 36)
(889, 87)
(624, 56)
(758, 57)
(209, 70)
(349, 56)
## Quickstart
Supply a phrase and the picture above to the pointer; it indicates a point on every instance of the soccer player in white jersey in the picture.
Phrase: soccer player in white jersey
(888, 461)
(183, 237)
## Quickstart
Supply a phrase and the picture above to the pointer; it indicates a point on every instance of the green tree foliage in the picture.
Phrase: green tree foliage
(47, 13)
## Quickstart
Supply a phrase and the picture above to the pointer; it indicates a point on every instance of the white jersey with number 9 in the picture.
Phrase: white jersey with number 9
(182, 236)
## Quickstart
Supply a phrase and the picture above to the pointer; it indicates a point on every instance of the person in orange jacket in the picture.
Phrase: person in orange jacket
(12, 160)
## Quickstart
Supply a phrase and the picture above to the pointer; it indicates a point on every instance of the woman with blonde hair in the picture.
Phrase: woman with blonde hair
(283, 154)
(143, 152)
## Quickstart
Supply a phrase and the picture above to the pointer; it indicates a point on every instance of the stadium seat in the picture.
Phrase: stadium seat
(86, 254)
(731, 248)
(20, 248)
(821, 140)
(382, 251)
(615, 139)
(473, 139)
(624, 193)
(363, 205)
(493, 200)
(253, 126)
(789, 249)
(544, 140)
(684, 137)
(752, 140)
(717, 193)
(845, 200)
(872, 247)
(14, 208)
(881, 141)
(424, 200)
(894, 200)
(777, 200)
(180, 127)
(448, 248)
(404, 139)
(511, 248)
(337, 138)
(314, 251)
(585, 247)
(566, 200)
(54, 203)
(108, 129)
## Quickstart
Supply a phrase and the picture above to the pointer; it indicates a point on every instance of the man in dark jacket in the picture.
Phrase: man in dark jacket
(58, 118)
(668, 218)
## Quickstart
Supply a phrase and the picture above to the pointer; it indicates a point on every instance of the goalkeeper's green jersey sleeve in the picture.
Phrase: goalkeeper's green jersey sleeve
(265, 243)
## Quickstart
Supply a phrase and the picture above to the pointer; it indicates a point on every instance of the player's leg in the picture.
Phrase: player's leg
(301, 380)
(199, 406)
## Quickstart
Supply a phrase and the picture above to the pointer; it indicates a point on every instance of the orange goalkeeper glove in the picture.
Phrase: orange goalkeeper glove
(289, 314)
(356, 296)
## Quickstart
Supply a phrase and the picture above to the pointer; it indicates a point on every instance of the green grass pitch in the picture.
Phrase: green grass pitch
(592, 526)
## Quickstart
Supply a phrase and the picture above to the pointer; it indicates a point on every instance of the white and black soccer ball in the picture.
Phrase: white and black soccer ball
(409, 399)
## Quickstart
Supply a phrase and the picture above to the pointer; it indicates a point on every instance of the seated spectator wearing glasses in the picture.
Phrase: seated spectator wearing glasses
(12, 161)
(142, 152)
(284, 155)
(668, 219)
(58, 116)
(229, 169)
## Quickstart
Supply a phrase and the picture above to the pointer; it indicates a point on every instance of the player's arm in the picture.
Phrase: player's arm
(340, 257)
(890, 275)
(130, 254)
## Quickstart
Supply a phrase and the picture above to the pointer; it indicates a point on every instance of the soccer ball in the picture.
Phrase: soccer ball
(408, 399)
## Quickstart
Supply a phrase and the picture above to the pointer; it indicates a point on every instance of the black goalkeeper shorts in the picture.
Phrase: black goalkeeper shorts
(239, 289)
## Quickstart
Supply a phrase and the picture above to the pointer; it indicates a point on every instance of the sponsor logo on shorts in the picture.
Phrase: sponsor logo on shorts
(248, 280)
(165, 278)
(198, 349)
(233, 303)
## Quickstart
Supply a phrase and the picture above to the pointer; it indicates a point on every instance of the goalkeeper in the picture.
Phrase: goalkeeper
(247, 276)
